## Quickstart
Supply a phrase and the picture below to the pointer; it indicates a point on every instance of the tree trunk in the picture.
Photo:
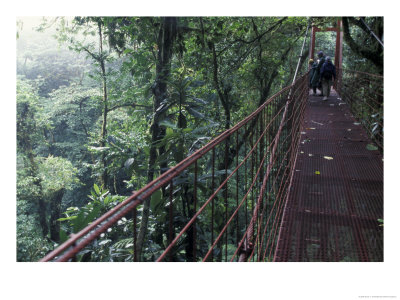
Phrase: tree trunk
(166, 37)
(55, 209)
(223, 92)
(104, 174)
(39, 197)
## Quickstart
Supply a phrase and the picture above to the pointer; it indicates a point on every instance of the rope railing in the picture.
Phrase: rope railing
(364, 94)
(222, 203)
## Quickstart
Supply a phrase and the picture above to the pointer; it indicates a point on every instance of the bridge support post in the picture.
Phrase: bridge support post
(312, 52)
(339, 46)
(339, 42)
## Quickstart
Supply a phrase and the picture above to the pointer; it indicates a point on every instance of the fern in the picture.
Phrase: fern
(123, 244)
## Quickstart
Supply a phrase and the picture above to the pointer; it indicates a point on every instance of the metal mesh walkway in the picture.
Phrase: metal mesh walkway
(336, 197)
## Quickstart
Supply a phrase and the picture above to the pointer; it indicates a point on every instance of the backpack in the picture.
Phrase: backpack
(328, 70)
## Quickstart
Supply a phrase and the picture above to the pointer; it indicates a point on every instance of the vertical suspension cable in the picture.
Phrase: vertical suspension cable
(245, 171)
(194, 209)
(212, 204)
(171, 215)
(301, 53)
(371, 32)
(226, 198)
(237, 187)
(135, 258)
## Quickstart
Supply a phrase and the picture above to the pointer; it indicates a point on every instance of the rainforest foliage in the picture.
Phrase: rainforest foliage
(106, 104)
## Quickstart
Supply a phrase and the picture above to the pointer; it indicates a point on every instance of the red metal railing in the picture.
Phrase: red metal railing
(364, 94)
(230, 193)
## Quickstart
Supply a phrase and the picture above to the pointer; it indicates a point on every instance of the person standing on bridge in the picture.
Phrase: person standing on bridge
(316, 80)
(328, 71)
(313, 83)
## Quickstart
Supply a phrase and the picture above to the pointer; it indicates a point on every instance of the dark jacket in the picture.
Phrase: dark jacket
(328, 70)
(316, 77)
(311, 75)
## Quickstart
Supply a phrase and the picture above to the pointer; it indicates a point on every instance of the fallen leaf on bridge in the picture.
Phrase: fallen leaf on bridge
(317, 173)
(371, 147)
(317, 123)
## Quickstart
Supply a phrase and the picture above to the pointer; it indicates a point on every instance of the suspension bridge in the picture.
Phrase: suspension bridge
(301, 179)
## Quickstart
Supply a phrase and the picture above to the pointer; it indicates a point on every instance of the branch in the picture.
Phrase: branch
(359, 24)
(99, 58)
(262, 34)
(202, 32)
(94, 56)
(258, 37)
(373, 56)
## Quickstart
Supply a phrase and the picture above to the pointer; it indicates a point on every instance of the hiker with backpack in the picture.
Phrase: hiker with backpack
(328, 71)
(316, 79)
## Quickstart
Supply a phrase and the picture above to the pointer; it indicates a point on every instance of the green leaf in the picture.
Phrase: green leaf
(128, 162)
(169, 131)
(371, 147)
(104, 242)
(79, 222)
(108, 200)
(198, 100)
(168, 124)
(128, 51)
(98, 148)
(96, 188)
(67, 219)
(195, 113)
(156, 200)
(82, 221)
(63, 236)
(93, 214)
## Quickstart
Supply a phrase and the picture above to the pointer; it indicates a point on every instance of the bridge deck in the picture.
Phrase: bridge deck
(337, 192)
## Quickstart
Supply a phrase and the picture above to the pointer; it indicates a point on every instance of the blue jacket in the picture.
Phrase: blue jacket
(328, 70)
